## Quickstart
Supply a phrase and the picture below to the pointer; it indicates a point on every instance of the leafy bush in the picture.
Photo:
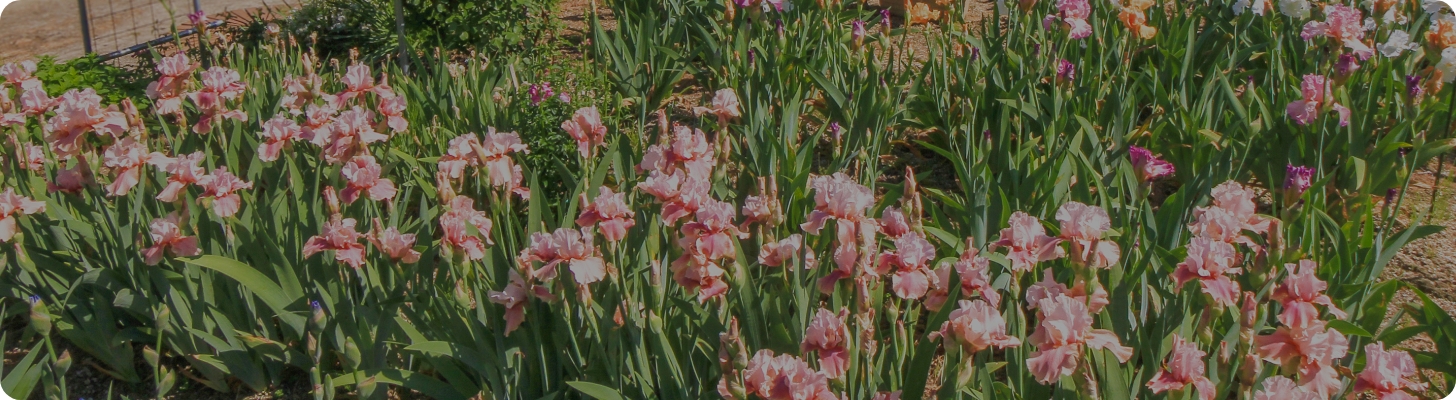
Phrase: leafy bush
(489, 26)
(111, 82)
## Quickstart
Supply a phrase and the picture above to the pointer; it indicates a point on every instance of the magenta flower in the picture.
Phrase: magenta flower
(1066, 71)
(1147, 165)
(1297, 179)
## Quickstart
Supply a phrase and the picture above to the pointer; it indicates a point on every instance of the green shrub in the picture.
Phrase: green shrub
(111, 82)
(490, 27)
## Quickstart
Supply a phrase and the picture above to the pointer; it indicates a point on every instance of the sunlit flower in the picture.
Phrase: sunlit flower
(1388, 374)
(1134, 16)
(1258, 7)
(398, 246)
(357, 79)
(1185, 367)
(126, 158)
(166, 92)
(167, 237)
(1082, 227)
(78, 112)
(1297, 179)
(364, 176)
(276, 132)
(1281, 388)
(352, 131)
(775, 254)
(221, 187)
(687, 149)
(459, 155)
(1300, 293)
(837, 197)
(585, 126)
(1310, 350)
(1297, 9)
(392, 109)
(610, 213)
(1398, 42)
(570, 246)
(908, 266)
(1210, 262)
(977, 325)
(724, 106)
(828, 337)
(17, 73)
(340, 237)
(1049, 288)
(1442, 33)
(495, 153)
(12, 205)
(34, 157)
(182, 171)
(1343, 24)
(785, 377)
(456, 224)
(1028, 242)
(1074, 15)
(1064, 330)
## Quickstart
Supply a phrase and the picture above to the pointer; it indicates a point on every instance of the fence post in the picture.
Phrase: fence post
(85, 27)
(404, 55)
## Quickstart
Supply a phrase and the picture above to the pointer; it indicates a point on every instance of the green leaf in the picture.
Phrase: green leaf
(255, 281)
(596, 391)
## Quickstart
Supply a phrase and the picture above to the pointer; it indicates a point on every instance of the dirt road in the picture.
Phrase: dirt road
(31, 28)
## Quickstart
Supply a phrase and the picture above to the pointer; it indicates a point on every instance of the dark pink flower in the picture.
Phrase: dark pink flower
(365, 176)
(1147, 165)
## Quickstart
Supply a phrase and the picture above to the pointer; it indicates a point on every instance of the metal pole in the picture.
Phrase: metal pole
(85, 27)
(197, 6)
(404, 55)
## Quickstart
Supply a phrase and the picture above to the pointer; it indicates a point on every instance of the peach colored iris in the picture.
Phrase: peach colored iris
(785, 377)
(1064, 331)
(126, 159)
(977, 325)
(1082, 227)
(1028, 242)
(182, 171)
(365, 177)
(221, 187)
(571, 247)
(1185, 367)
(1388, 374)
(1210, 262)
(12, 205)
(828, 337)
(340, 237)
(277, 132)
(610, 213)
(455, 225)
(586, 128)
(167, 237)
(908, 266)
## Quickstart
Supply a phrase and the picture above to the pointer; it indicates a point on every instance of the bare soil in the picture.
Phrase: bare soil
(33, 28)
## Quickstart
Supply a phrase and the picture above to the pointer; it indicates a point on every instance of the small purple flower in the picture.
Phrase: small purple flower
(1346, 65)
(315, 305)
(1390, 195)
(198, 18)
(1297, 179)
(986, 134)
(34, 299)
(857, 32)
(540, 92)
(975, 54)
(1413, 86)
(835, 131)
(564, 97)
(1036, 48)
(751, 56)
(779, 26)
(1046, 23)
(885, 18)
(1066, 71)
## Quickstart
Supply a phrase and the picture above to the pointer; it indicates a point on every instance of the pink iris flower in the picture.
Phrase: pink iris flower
(828, 337)
(785, 377)
(126, 158)
(1311, 350)
(78, 112)
(1316, 96)
(455, 225)
(219, 85)
(495, 153)
(908, 266)
(1300, 293)
(609, 212)
(1210, 262)
(570, 246)
(11, 205)
(1049, 288)
(398, 246)
(392, 109)
(182, 171)
(1185, 367)
(167, 237)
(586, 128)
(893, 222)
(1343, 24)
(365, 176)
(352, 131)
(277, 132)
(1064, 331)
(977, 325)
(515, 297)
(460, 155)
(1281, 388)
(974, 272)
(1082, 227)
(837, 197)
(1028, 242)
(1388, 374)
(17, 73)
(724, 106)
(71, 180)
(221, 187)
(774, 254)
(687, 149)
(340, 237)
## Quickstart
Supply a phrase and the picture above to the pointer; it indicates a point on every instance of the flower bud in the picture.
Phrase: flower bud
(319, 318)
(151, 356)
(40, 317)
(352, 358)
(331, 200)
(63, 363)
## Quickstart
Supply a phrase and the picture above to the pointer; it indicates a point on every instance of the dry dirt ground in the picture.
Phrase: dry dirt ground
(31, 28)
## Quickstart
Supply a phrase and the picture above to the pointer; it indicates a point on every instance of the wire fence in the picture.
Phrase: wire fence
(111, 27)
